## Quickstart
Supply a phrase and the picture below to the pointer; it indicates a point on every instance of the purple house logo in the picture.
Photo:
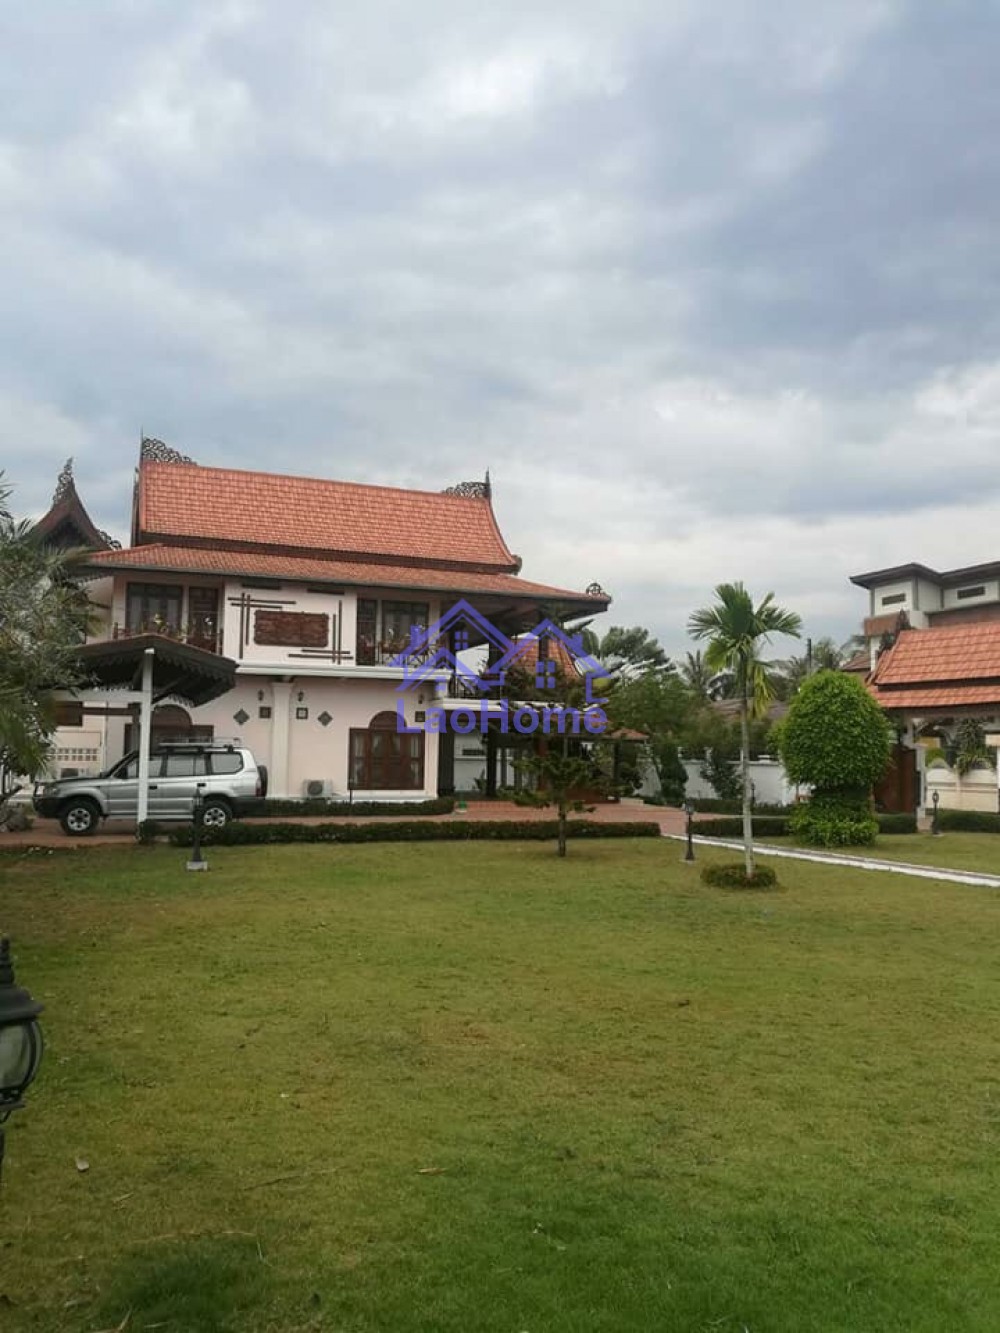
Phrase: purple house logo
(433, 654)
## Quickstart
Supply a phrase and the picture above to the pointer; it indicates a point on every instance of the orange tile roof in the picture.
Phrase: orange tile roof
(860, 662)
(887, 624)
(244, 564)
(957, 667)
(938, 697)
(179, 503)
(959, 653)
(558, 652)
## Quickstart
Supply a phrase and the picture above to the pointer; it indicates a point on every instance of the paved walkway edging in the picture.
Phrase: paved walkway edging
(855, 862)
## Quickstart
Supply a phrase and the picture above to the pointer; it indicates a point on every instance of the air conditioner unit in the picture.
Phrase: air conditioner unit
(315, 787)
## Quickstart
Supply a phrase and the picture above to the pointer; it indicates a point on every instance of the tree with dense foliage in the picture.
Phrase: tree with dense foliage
(735, 631)
(822, 655)
(838, 740)
(43, 619)
(625, 652)
(968, 749)
(696, 675)
(658, 704)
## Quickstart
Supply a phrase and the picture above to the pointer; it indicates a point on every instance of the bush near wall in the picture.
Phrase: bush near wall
(897, 823)
(269, 808)
(968, 821)
(242, 835)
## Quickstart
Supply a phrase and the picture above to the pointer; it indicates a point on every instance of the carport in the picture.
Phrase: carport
(145, 670)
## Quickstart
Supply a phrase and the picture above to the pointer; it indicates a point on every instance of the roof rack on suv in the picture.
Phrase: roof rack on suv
(216, 743)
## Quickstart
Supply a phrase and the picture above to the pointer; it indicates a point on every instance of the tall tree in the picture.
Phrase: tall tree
(43, 620)
(696, 675)
(736, 631)
(659, 704)
(625, 652)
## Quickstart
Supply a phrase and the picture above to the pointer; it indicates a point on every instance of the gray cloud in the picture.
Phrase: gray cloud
(713, 292)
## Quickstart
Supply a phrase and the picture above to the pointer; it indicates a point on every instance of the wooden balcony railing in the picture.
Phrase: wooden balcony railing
(199, 634)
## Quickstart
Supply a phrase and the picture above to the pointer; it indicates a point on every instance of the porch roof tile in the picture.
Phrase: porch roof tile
(314, 569)
(959, 654)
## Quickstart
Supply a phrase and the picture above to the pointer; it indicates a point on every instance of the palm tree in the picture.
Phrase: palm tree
(736, 630)
(624, 652)
(696, 674)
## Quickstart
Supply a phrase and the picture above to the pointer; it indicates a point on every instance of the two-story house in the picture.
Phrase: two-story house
(934, 658)
(312, 587)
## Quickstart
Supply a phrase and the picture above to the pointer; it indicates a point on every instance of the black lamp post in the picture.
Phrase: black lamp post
(689, 812)
(197, 861)
(20, 1040)
(935, 822)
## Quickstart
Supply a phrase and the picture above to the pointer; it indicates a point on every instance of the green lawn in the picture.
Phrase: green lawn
(477, 1089)
(957, 851)
(951, 851)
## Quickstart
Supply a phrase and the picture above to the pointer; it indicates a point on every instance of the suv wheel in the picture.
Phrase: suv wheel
(79, 818)
(215, 813)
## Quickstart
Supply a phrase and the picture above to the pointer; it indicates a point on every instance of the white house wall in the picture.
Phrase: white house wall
(296, 749)
(990, 594)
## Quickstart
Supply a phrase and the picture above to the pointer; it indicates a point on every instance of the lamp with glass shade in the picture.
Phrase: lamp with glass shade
(20, 1040)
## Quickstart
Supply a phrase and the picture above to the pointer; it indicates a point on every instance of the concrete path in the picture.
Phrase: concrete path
(854, 862)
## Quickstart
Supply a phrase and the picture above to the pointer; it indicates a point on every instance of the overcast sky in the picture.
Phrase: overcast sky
(711, 287)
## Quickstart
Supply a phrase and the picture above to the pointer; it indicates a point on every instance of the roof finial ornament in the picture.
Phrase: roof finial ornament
(155, 451)
(64, 482)
(471, 490)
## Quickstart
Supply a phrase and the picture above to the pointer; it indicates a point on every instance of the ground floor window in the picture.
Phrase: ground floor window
(384, 760)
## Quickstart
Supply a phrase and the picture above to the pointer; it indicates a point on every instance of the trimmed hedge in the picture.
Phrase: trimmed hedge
(969, 821)
(897, 823)
(764, 826)
(269, 808)
(716, 806)
(734, 876)
(534, 830)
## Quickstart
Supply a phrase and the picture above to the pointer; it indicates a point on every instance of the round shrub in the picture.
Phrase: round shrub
(835, 819)
(733, 875)
(835, 734)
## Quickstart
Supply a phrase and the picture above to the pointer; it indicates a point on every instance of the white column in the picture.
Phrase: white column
(145, 733)
(281, 704)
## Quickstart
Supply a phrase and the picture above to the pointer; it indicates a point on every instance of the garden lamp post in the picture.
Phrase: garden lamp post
(689, 812)
(935, 822)
(197, 861)
(20, 1040)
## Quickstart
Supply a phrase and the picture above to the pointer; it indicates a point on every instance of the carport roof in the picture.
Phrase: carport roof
(179, 669)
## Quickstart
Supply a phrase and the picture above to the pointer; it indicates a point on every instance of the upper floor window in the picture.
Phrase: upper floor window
(894, 599)
(385, 628)
(153, 606)
(978, 591)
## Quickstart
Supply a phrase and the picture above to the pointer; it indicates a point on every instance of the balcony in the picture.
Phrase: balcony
(374, 652)
(199, 633)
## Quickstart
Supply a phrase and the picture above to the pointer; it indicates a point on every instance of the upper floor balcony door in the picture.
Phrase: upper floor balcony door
(189, 614)
(386, 628)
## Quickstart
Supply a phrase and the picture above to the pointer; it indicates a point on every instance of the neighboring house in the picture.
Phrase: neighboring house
(917, 597)
(934, 658)
(314, 588)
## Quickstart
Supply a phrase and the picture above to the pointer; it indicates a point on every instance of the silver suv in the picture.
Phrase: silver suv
(225, 772)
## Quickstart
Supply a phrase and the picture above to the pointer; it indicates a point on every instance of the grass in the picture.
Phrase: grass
(444, 1088)
(947, 851)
